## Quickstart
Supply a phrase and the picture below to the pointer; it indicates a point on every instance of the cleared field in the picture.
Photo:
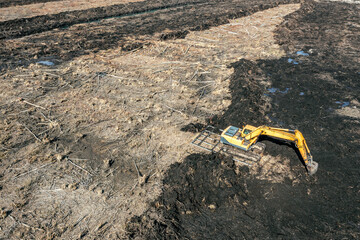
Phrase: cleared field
(98, 107)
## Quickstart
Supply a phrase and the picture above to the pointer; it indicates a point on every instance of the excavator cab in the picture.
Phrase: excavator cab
(236, 137)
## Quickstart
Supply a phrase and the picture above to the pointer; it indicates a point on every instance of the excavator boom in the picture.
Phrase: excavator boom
(246, 139)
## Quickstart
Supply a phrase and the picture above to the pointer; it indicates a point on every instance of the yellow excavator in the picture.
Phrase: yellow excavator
(247, 138)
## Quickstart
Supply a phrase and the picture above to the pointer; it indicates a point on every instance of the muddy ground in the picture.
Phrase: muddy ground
(97, 117)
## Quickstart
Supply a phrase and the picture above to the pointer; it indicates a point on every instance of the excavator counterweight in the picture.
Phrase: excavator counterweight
(246, 141)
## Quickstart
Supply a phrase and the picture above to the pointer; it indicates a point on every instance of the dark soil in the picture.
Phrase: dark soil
(206, 197)
(27, 26)
(133, 19)
(8, 3)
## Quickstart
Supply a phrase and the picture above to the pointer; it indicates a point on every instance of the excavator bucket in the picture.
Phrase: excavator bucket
(312, 167)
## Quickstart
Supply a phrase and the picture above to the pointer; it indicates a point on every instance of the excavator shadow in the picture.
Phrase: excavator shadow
(283, 143)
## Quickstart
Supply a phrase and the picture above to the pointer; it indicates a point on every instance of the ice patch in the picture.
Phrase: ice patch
(302, 53)
(285, 91)
(290, 60)
(47, 63)
(274, 90)
(343, 104)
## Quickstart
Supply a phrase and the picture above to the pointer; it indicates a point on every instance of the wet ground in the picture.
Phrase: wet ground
(314, 88)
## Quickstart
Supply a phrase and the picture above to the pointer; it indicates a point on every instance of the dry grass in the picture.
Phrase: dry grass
(97, 115)
(38, 9)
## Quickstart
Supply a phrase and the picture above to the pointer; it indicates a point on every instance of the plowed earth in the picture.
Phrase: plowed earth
(98, 107)
(172, 20)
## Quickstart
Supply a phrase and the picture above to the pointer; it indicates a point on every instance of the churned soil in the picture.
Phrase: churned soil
(172, 19)
(315, 88)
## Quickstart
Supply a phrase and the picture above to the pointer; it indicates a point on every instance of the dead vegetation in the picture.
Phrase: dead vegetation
(92, 138)
(53, 7)
(85, 145)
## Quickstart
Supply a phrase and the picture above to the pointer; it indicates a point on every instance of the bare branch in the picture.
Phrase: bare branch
(32, 133)
(79, 167)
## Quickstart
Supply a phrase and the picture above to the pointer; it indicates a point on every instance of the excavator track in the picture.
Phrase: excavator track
(209, 140)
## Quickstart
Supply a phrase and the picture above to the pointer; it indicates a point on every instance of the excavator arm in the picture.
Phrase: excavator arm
(245, 140)
(252, 134)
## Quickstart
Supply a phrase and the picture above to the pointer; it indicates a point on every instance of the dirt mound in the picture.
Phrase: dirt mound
(208, 197)
(198, 194)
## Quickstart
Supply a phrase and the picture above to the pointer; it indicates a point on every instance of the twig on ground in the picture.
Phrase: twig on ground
(137, 169)
(27, 110)
(123, 78)
(79, 220)
(34, 105)
(26, 225)
(230, 32)
(204, 86)
(32, 170)
(154, 93)
(114, 76)
(197, 102)
(79, 167)
(187, 50)
(52, 74)
(203, 81)
(23, 75)
(163, 51)
(79, 159)
(196, 72)
(174, 109)
(45, 131)
(46, 117)
(32, 133)
(137, 182)
(46, 70)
